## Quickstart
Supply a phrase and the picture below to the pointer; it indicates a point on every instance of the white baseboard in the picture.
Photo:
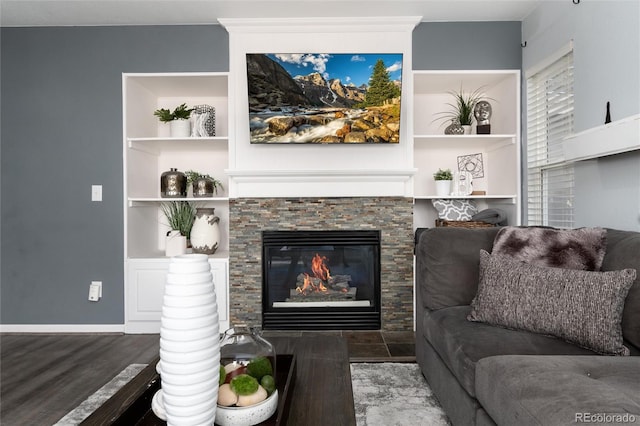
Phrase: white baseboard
(61, 328)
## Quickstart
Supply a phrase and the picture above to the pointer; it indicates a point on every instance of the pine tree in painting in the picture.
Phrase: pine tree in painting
(381, 88)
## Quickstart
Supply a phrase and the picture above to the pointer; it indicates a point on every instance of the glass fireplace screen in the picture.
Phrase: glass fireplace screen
(321, 279)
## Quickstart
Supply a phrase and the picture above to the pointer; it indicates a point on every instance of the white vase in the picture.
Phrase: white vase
(443, 188)
(189, 343)
(467, 129)
(205, 233)
(180, 128)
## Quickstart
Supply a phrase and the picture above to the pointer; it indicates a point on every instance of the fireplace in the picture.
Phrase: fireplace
(321, 280)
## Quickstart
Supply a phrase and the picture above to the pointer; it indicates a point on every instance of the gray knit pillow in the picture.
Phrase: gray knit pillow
(581, 307)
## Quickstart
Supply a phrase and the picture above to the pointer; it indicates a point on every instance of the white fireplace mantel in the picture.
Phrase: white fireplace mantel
(320, 183)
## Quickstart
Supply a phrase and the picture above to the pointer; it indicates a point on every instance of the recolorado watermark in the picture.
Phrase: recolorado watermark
(605, 418)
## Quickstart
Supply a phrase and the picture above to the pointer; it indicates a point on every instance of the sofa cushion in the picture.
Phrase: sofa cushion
(447, 262)
(582, 307)
(461, 343)
(622, 252)
(558, 390)
(581, 248)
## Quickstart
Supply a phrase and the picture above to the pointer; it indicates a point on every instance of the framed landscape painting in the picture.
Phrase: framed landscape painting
(324, 98)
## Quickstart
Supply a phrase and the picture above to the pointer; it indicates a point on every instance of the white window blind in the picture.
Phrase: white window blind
(550, 181)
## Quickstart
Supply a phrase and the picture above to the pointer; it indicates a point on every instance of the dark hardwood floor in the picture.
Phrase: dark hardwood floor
(44, 376)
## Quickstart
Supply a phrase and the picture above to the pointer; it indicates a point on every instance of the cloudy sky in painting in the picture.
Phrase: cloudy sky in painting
(349, 68)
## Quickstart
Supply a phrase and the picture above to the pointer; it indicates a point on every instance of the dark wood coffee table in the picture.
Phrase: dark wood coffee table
(321, 393)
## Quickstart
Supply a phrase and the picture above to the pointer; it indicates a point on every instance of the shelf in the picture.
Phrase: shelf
(510, 197)
(433, 93)
(147, 201)
(158, 256)
(450, 138)
(148, 150)
(609, 139)
(156, 145)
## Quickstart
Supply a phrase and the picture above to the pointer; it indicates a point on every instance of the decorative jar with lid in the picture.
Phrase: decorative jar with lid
(173, 184)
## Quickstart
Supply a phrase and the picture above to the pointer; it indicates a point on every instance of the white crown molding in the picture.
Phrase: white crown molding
(321, 25)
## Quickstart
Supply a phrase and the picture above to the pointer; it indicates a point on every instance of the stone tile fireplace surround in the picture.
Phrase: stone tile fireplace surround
(393, 216)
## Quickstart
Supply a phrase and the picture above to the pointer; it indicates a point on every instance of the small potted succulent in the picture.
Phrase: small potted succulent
(203, 185)
(178, 120)
(443, 180)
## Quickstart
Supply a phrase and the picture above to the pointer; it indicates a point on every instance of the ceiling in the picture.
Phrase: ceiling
(26, 13)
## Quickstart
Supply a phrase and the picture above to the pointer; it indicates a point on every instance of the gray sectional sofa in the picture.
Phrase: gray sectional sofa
(486, 372)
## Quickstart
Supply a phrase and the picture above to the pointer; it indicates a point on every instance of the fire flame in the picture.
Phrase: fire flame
(320, 271)
(319, 268)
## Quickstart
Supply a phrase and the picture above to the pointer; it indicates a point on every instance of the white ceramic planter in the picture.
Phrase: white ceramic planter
(180, 128)
(176, 244)
(443, 188)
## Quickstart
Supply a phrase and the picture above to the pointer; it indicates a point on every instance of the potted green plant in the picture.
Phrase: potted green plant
(443, 180)
(180, 216)
(461, 112)
(178, 120)
(203, 185)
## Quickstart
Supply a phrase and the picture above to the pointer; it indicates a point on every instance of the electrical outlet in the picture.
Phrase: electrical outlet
(96, 192)
(95, 291)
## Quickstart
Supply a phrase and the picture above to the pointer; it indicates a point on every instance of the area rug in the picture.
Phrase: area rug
(394, 394)
(90, 404)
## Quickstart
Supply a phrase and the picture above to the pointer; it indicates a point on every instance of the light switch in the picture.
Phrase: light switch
(96, 192)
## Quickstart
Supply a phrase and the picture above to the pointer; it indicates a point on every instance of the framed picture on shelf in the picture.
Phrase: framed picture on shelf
(472, 164)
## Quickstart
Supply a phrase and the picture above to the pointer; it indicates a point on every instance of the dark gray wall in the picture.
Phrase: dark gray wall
(62, 132)
(467, 45)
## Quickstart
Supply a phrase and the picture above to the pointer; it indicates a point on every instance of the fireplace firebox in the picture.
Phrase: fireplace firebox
(321, 280)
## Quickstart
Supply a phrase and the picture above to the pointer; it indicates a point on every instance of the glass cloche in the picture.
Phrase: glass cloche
(247, 377)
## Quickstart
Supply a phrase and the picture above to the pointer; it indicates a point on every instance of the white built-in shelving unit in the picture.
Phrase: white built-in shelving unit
(148, 151)
(500, 150)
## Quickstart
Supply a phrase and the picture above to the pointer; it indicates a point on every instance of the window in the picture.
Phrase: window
(550, 180)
